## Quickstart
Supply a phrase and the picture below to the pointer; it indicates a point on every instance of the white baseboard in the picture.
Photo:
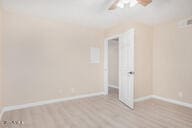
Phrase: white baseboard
(189, 105)
(113, 86)
(143, 98)
(10, 108)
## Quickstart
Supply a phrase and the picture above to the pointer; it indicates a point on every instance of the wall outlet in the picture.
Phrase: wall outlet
(180, 94)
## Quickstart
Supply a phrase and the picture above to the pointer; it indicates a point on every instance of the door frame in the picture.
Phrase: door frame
(106, 65)
(106, 59)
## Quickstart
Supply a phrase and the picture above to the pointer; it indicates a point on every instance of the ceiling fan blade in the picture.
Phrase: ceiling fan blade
(144, 2)
(114, 5)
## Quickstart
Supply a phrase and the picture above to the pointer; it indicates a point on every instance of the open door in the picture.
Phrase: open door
(126, 68)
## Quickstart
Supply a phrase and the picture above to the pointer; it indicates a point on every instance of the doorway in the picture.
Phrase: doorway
(119, 67)
(113, 65)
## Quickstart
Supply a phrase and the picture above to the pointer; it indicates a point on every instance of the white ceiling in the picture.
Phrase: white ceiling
(94, 12)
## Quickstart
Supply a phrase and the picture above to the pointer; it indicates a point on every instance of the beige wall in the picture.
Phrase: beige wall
(1, 66)
(172, 65)
(113, 60)
(49, 59)
(143, 55)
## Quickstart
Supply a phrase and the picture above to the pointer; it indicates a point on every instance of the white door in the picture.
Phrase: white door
(126, 68)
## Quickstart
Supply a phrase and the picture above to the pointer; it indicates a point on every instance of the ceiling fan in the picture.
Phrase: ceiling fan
(122, 3)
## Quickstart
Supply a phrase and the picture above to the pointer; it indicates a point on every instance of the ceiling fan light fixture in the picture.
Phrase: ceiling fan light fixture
(120, 4)
(126, 1)
(132, 3)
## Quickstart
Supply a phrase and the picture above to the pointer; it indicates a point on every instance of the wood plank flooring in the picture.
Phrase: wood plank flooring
(103, 112)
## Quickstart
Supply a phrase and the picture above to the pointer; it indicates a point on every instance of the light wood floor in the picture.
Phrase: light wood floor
(103, 112)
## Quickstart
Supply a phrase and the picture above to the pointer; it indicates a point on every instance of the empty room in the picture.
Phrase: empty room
(95, 64)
